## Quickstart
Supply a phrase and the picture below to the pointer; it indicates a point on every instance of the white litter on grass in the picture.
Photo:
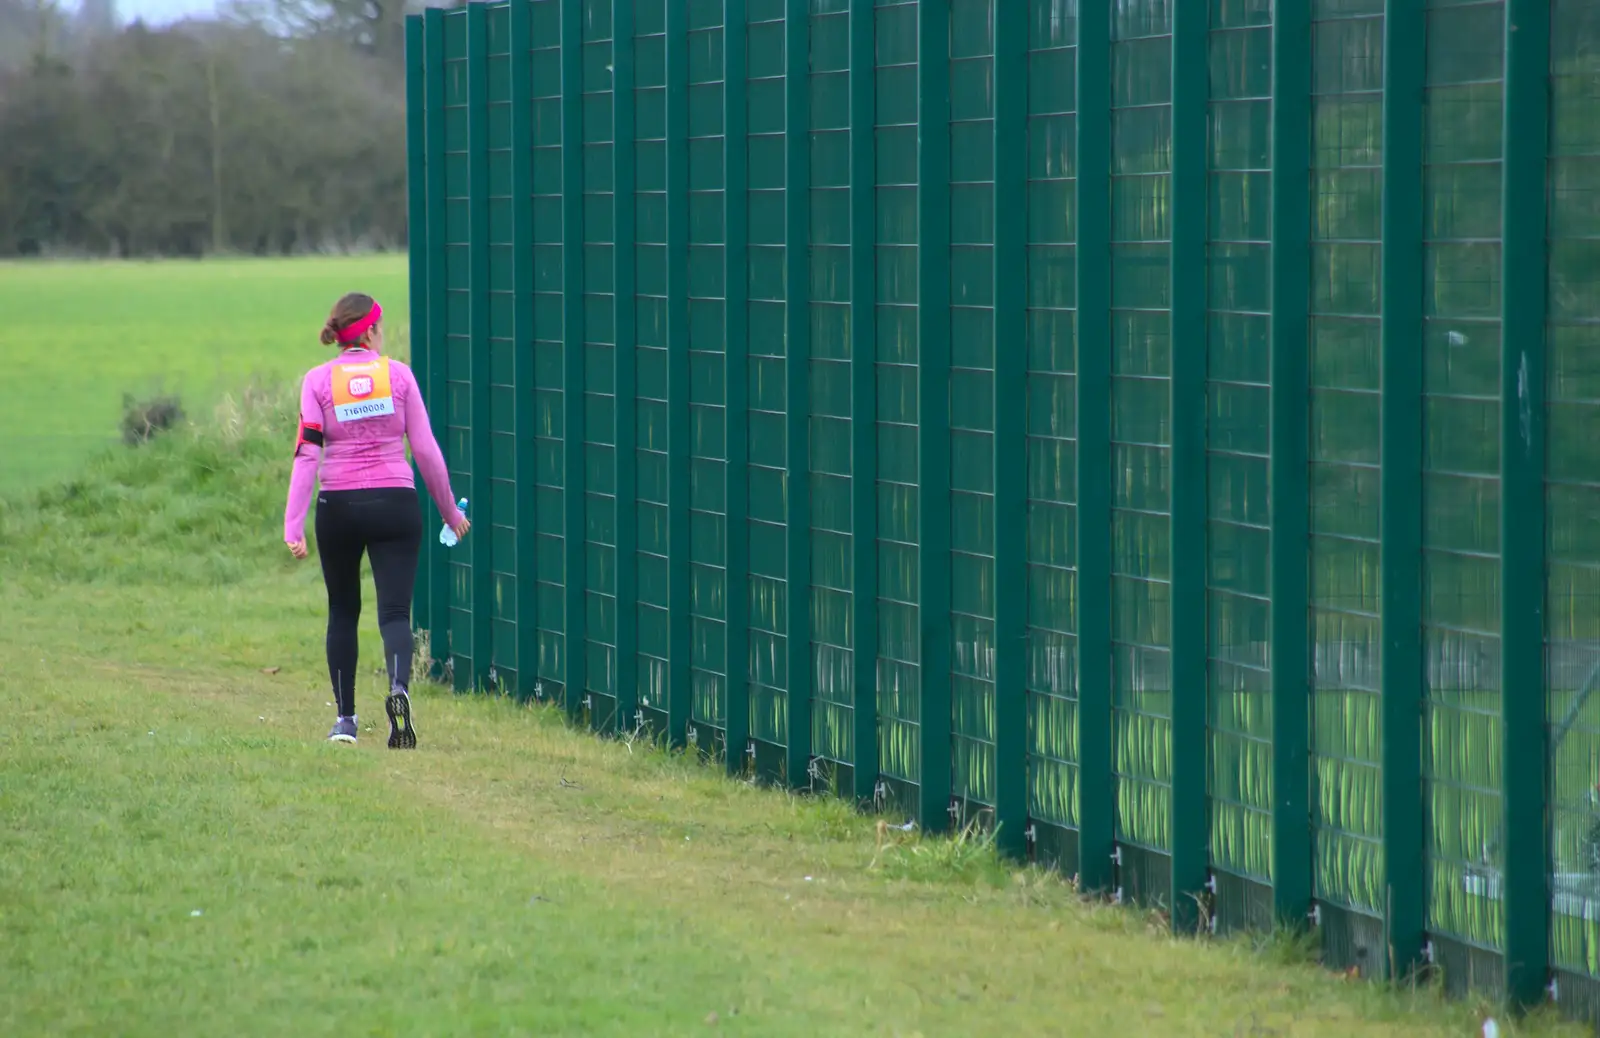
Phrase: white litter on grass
(1490, 1028)
(195, 914)
(808, 879)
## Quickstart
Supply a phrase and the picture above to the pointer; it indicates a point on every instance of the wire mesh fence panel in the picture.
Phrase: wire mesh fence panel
(899, 623)
(1239, 425)
(497, 511)
(1052, 426)
(1572, 493)
(833, 342)
(456, 381)
(972, 402)
(601, 396)
(1461, 463)
(651, 489)
(1141, 424)
(707, 315)
(548, 345)
(768, 402)
(1346, 158)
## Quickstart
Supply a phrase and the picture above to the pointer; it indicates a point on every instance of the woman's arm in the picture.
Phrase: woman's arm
(307, 460)
(425, 449)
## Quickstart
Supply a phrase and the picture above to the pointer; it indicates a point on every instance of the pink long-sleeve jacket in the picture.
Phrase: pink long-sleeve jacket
(356, 413)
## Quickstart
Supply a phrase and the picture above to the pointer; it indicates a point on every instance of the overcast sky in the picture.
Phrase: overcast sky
(159, 11)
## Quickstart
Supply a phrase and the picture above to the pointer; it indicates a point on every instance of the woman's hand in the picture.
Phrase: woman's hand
(460, 529)
(298, 548)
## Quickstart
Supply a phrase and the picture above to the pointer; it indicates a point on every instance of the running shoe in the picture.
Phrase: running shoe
(401, 735)
(344, 730)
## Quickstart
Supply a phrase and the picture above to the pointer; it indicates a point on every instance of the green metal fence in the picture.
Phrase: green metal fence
(1164, 430)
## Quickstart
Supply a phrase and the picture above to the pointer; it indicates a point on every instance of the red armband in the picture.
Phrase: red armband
(310, 432)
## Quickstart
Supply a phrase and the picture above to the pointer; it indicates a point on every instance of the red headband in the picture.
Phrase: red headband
(357, 329)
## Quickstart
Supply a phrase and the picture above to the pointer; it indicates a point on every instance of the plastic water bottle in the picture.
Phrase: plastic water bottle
(447, 536)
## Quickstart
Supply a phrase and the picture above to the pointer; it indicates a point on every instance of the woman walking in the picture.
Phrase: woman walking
(356, 413)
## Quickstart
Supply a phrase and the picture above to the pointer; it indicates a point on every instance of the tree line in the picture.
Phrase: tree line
(276, 127)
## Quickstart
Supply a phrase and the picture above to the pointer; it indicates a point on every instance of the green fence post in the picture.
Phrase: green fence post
(736, 377)
(433, 377)
(1096, 793)
(797, 369)
(679, 688)
(1400, 513)
(527, 535)
(1522, 493)
(482, 605)
(573, 494)
(624, 267)
(1190, 821)
(417, 257)
(1010, 424)
(1289, 509)
(933, 404)
(864, 392)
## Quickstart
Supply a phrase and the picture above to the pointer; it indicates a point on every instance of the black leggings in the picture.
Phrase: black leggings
(386, 523)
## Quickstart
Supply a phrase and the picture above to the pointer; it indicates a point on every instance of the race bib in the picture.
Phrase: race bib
(362, 390)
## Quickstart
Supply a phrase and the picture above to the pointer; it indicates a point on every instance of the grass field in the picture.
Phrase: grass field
(181, 853)
(76, 337)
